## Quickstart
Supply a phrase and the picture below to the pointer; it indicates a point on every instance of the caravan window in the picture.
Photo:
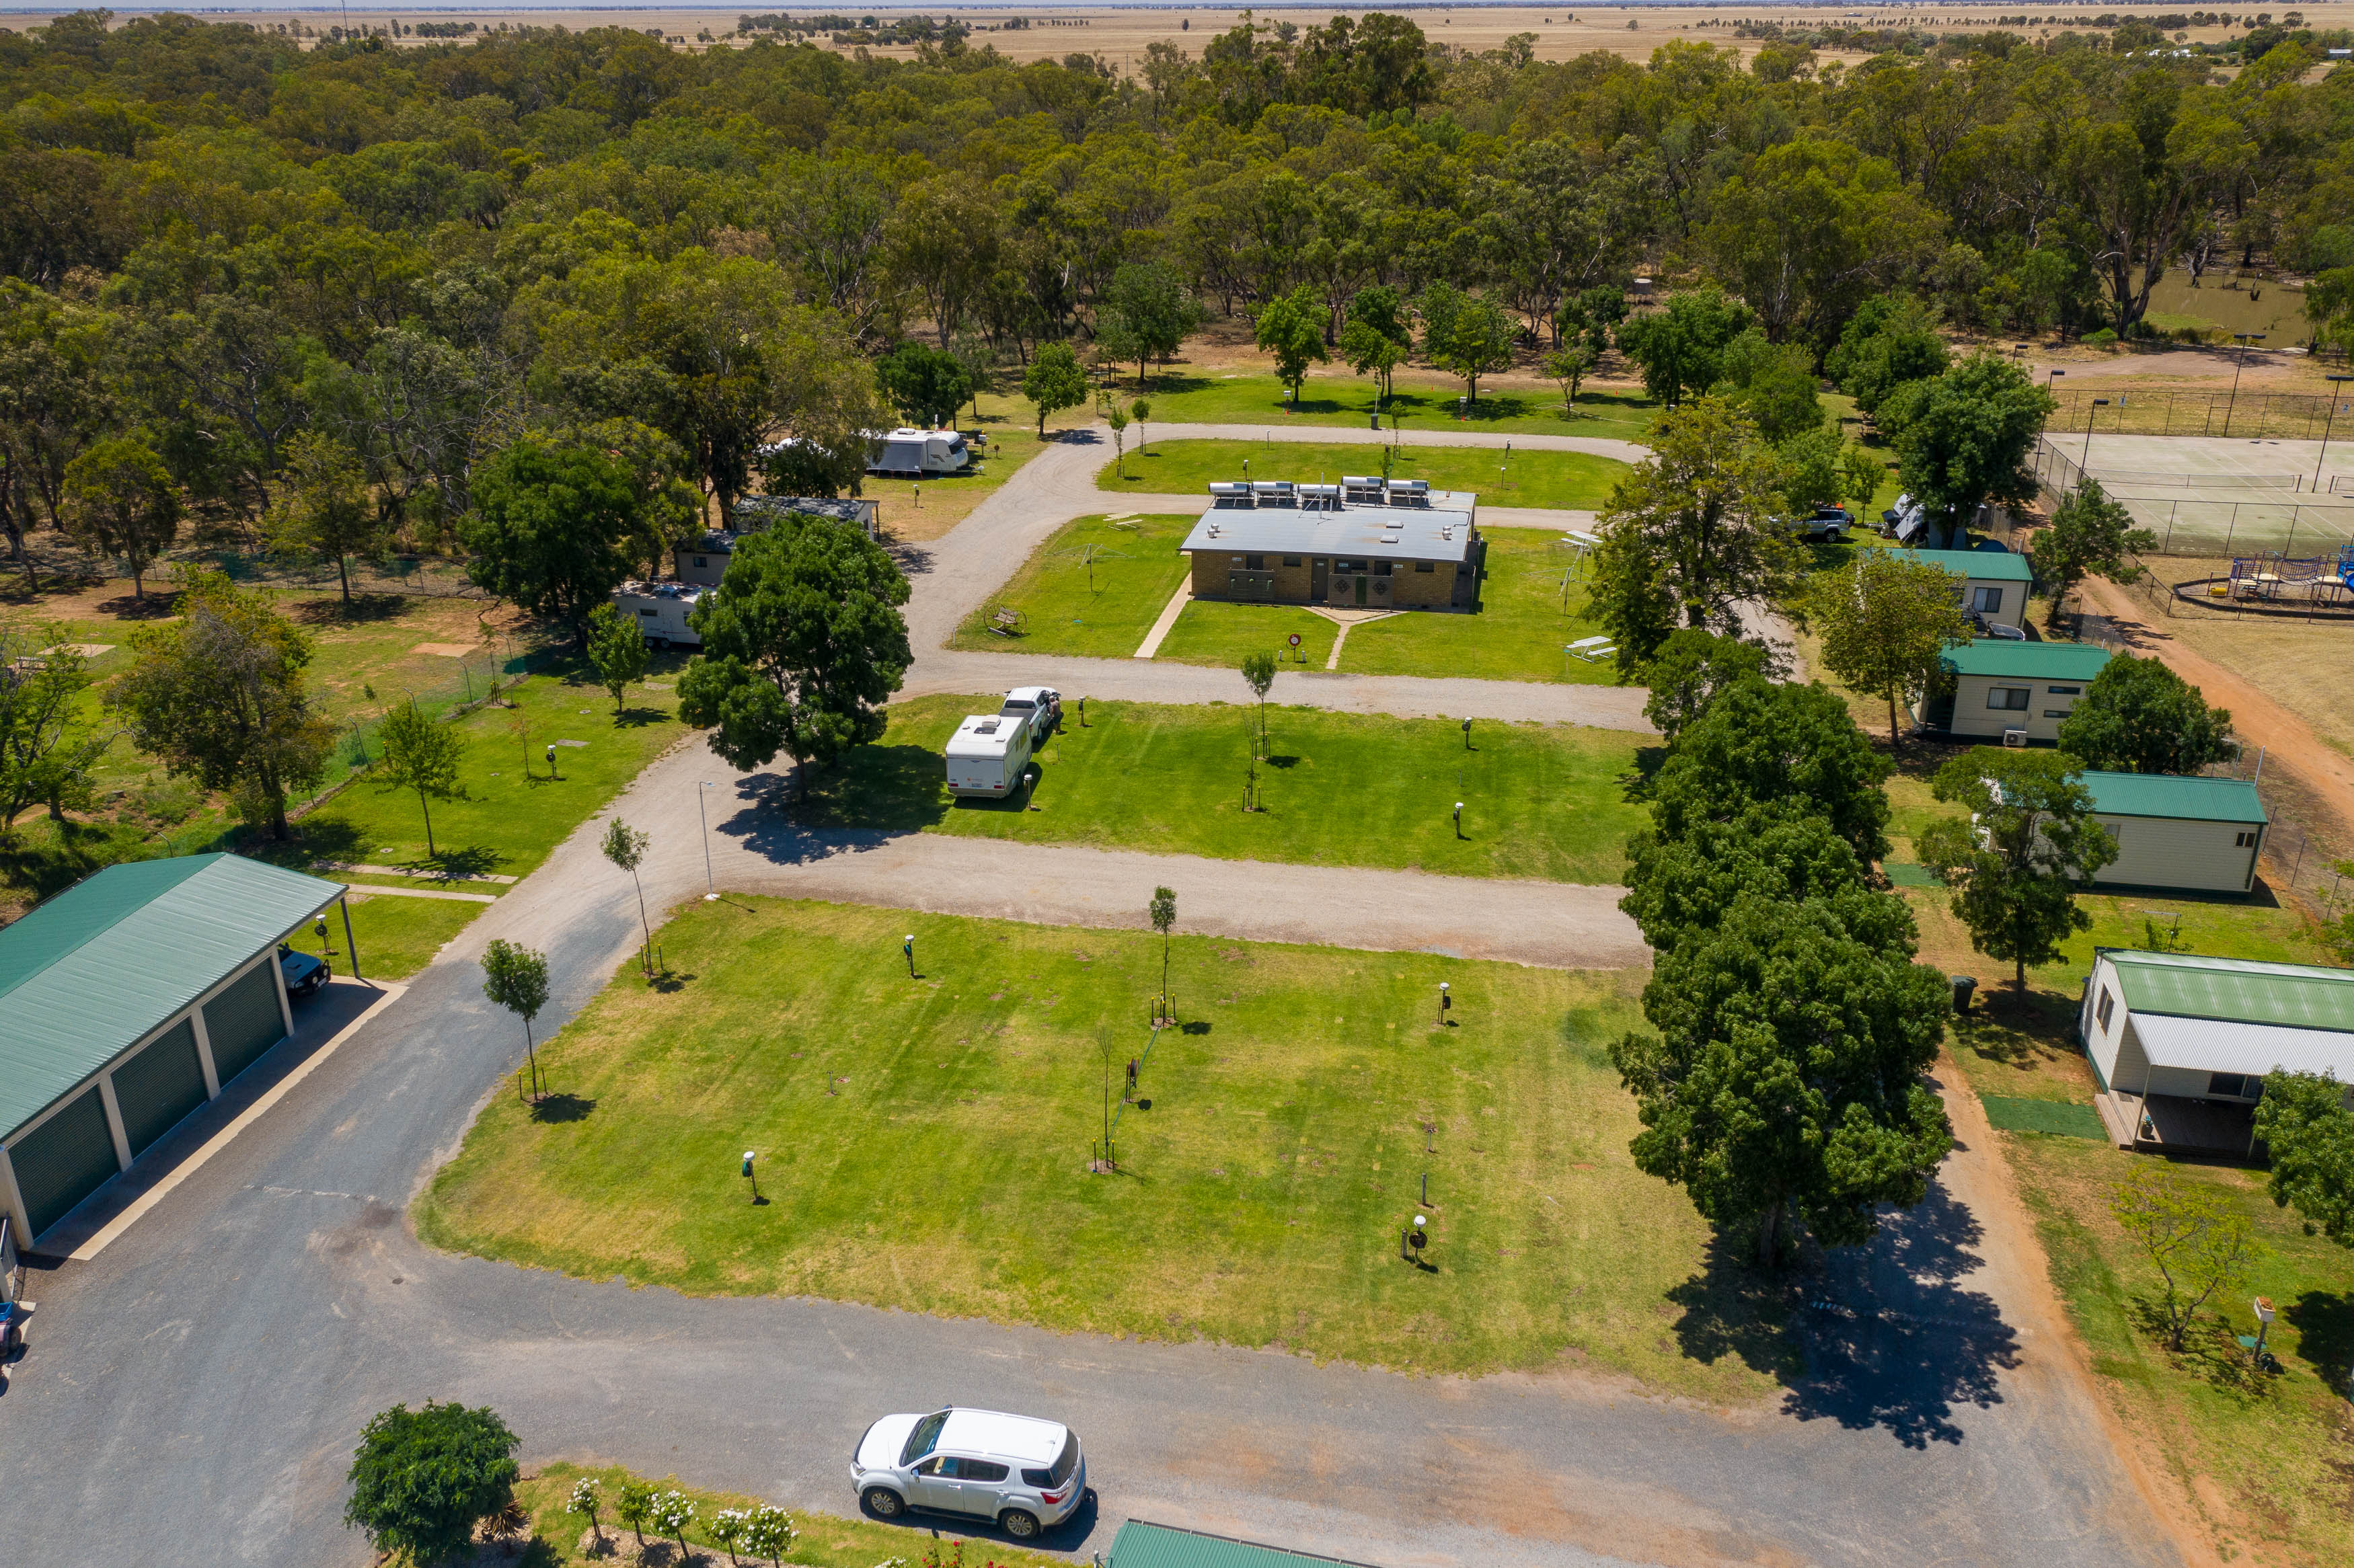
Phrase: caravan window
(2244, 841)
(2107, 1009)
(1988, 601)
(2009, 699)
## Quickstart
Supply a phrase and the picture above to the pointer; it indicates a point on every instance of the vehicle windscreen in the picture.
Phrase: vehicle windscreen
(1018, 705)
(925, 1437)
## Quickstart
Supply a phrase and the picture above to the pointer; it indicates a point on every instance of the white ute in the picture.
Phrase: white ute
(988, 755)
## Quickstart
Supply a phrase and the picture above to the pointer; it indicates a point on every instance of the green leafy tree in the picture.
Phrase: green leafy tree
(2089, 536)
(618, 649)
(1890, 341)
(552, 529)
(1154, 310)
(2196, 1243)
(1163, 911)
(2304, 1121)
(1763, 743)
(1690, 536)
(1567, 365)
(1773, 385)
(219, 696)
(1365, 350)
(727, 1528)
(1478, 340)
(1119, 421)
(1259, 673)
(1784, 1088)
(1291, 328)
(516, 978)
(2139, 716)
(768, 1532)
(1682, 349)
(422, 1480)
(420, 753)
(803, 648)
(322, 507)
(1053, 382)
(120, 501)
(1862, 473)
(635, 1509)
(928, 385)
(674, 1515)
(1140, 410)
(625, 846)
(46, 757)
(1810, 469)
(1780, 851)
(1690, 667)
(1886, 622)
(1963, 439)
(2014, 863)
(585, 1500)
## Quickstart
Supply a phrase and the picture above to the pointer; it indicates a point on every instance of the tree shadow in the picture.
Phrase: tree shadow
(1283, 761)
(156, 605)
(1731, 1307)
(452, 865)
(669, 982)
(881, 789)
(562, 1108)
(365, 609)
(1199, 1026)
(638, 718)
(1896, 1340)
(2324, 1321)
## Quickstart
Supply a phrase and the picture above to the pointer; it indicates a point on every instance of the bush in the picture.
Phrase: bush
(423, 1479)
(2105, 338)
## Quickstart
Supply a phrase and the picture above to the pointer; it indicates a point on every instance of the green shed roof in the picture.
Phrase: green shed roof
(96, 969)
(2171, 795)
(1142, 1545)
(2299, 996)
(2029, 661)
(1987, 566)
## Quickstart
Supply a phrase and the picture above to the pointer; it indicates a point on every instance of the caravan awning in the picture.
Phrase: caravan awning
(2217, 1046)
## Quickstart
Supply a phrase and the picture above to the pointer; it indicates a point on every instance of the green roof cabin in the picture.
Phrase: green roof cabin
(2181, 1043)
(1142, 1545)
(2189, 835)
(1995, 583)
(2013, 693)
(126, 1002)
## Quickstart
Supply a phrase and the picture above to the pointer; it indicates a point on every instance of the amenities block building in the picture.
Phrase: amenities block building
(1362, 544)
(126, 1002)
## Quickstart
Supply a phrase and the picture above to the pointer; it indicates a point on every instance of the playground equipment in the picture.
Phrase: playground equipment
(2275, 577)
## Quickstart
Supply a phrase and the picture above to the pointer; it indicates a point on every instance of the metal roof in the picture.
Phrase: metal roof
(2173, 795)
(95, 969)
(2243, 991)
(2031, 661)
(1142, 1545)
(1987, 566)
(2220, 1045)
(1441, 531)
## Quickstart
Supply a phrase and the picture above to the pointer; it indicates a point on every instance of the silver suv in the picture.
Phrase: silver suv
(1024, 1473)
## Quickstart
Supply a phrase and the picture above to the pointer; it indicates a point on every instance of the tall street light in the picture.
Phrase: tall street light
(2048, 380)
(2245, 338)
(2097, 403)
(710, 889)
(2327, 425)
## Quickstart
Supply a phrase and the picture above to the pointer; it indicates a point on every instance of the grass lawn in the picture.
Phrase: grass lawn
(1342, 789)
(398, 937)
(1262, 1190)
(1213, 631)
(1424, 402)
(1518, 633)
(827, 1539)
(1576, 480)
(1094, 588)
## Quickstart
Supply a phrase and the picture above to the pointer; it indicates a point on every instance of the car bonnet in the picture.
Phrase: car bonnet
(879, 1449)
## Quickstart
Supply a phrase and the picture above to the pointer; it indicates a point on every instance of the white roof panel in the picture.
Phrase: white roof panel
(2220, 1045)
(1004, 1436)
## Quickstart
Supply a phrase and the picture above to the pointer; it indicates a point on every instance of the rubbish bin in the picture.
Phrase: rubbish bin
(1963, 985)
(1377, 421)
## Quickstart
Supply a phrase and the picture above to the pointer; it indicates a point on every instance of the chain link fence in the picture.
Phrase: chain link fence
(2210, 513)
(2281, 416)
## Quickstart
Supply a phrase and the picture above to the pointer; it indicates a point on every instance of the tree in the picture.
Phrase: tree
(928, 385)
(516, 978)
(1477, 340)
(1690, 667)
(2139, 716)
(1784, 1088)
(673, 1514)
(635, 1509)
(1053, 382)
(1259, 673)
(800, 651)
(1963, 439)
(625, 846)
(768, 1532)
(219, 696)
(2013, 864)
(1886, 623)
(120, 501)
(1684, 883)
(727, 1528)
(1761, 743)
(1117, 420)
(1862, 473)
(1164, 913)
(1290, 327)
(1890, 341)
(420, 753)
(2304, 1121)
(1567, 365)
(322, 507)
(423, 1479)
(1154, 309)
(1140, 410)
(551, 528)
(1368, 353)
(1690, 536)
(618, 649)
(2089, 536)
(1775, 386)
(40, 696)
(1682, 348)
(585, 1499)
(2197, 1244)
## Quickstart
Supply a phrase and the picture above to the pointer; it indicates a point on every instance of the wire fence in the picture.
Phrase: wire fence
(434, 576)
(2283, 416)
(2188, 522)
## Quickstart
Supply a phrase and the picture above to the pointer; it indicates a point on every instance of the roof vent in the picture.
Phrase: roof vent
(986, 727)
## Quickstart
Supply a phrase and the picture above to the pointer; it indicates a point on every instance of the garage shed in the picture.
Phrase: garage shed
(2190, 835)
(126, 1002)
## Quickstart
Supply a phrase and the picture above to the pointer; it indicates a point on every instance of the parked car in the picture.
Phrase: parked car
(1830, 524)
(1025, 1474)
(304, 974)
(1042, 705)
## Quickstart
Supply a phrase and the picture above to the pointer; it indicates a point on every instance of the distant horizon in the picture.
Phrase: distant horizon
(1015, 7)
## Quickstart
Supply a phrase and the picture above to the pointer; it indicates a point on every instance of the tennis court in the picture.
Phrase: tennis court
(2209, 496)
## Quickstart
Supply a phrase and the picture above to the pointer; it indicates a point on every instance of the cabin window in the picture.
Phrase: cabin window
(649, 611)
(1426, 565)
(700, 561)
(1253, 563)
(2233, 1086)
(2244, 841)
(1987, 601)
(2055, 712)
(1290, 560)
(2107, 1009)
(1380, 569)
(2064, 691)
(2009, 699)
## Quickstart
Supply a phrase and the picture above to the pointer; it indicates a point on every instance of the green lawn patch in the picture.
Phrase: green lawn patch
(1424, 403)
(1261, 1192)
(398, 937)
(2060, 1119)
(1519, 633)
(1577, 479)
(1341, 789)
(1213, 631)
(1094, 588)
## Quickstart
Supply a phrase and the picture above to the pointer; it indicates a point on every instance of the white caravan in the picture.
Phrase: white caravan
(988, 755)
(920, 453)
(660, 610)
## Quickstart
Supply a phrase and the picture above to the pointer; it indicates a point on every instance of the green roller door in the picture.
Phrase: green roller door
(243, 1021)
(159, 1086)
(61, 1161)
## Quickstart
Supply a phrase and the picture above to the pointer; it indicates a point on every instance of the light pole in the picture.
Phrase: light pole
(2097, 403)
(710, 888)
(2326, 426)
(2245, 338)
(2048, 380)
